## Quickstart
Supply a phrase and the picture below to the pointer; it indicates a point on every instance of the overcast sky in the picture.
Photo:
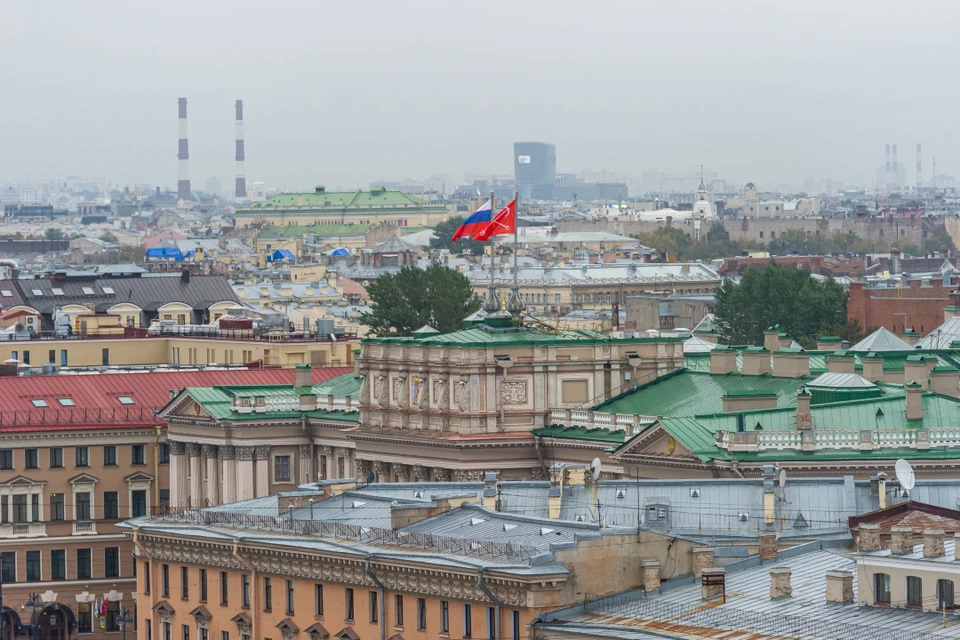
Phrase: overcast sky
(346, 92)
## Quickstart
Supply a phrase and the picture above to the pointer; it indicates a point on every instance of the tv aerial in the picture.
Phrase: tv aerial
(595, 470)
(906, 478)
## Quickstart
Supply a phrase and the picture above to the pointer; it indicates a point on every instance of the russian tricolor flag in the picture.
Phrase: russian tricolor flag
(477, 221)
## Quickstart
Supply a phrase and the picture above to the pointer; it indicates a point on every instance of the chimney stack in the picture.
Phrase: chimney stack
(901, 540)
(240, 186)
(868, 537)
(933, 543)
(651, 575)
(840, 586)
(183, 155)
(804, 417)
(712, 584)
(780, 583)
(914, 400)
(304, 376)
(768, 546)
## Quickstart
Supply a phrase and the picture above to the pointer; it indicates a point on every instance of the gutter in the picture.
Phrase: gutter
(254, 631)
(497, 633)
(381, 605)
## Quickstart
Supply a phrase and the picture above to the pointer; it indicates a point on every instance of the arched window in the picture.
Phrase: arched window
(914, 592)
(944, 595)
(881, 588)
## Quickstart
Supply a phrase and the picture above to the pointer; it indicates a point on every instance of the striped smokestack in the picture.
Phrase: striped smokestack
(183, 155)
(240, 188)
(919, 169)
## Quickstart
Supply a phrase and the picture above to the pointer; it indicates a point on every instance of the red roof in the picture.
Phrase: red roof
(916, 515)
(96, 398)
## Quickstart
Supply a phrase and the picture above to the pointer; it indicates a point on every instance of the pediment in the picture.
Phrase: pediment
(83, 478)
(139, 476)
(656, 441)
(184, 405)
(22, 481)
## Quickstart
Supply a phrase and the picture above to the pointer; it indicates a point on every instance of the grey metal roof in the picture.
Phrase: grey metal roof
(942, 336)
(748, 607)
(844, 380)
(917, 554)
(881, 340)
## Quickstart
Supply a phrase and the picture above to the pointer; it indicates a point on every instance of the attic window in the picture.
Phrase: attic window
(66, 402)
(879, 413)
(621, 493)
(357, 504)
(800, 522)
(125, 400)
(57, 291)
(6, 294)
(418, 494)
(88, 291)
(475, 521)
(108, 290)
(508, 527)
(39, 403)
(37, 292)
(545, 530)
(580, 518)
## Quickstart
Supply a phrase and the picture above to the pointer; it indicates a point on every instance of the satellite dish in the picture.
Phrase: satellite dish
(905, 475)
(782, 480)
(595, 469)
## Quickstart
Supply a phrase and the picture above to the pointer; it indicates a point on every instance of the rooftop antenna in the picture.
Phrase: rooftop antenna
(782, 481)
(595, 469)
(905, 476)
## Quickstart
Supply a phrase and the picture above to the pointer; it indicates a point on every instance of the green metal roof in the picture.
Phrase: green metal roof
(216, 401)
(481, 336)
(581, 433)
(687, 393)
(380, 198)
(341, 386)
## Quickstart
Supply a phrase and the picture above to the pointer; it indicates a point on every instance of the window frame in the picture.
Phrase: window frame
(349, 604)
(318, 600)
(35, 454)
(107, 552)
(184, 582)
(878, 590)
(913, 587)
(88, 574)
(281, 468)
(56, 459)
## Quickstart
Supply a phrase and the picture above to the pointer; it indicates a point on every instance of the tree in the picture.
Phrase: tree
(411, 298)
(109, 237)
(128, 254)
(443, 232)
(803, 306)
(937, 239)
(54, 234)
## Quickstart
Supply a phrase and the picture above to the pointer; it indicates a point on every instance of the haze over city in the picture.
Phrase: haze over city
(347, 93)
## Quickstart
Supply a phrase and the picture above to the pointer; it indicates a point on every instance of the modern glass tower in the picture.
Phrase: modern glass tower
(535, 169)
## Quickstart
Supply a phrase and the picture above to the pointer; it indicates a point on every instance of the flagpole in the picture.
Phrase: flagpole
(492, 303)
(515, 305)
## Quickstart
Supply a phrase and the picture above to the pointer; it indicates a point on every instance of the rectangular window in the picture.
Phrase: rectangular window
(109, 456)
(26, 357)
(111, 504)
(83, 505)
(444, 616)
(35, 507)
(133, 565)
(31, 459)
(348, 604)
(421, 614)
(203, 633)
(84, 617)
(223, 587)
(8, 567)
(514, 625)
(245, 590)
(164, 496)
(164, 453)
(184, 582)
(56, 458)
(139, 503)
(491, 623)
(83, 564)
(167, 631)
(33, 566)
(281, 469)
(58, 564)
(136, 454)
(57, 507)
(82, 457)
(105, 357)
(467, 621)
(881, 588)
(4, 503)
(224, 635)
(203, 585)
(165, 580)
(6, 459)
(185, 632)
(111, 563)
(290, 602)
(20, 508)
(113, 612)
(267, 594)
(398, 610)
(944, 591)
(63, 357)
(149, 628)
(373, 607)
(914, 592)
(146, 578)
(318, 600)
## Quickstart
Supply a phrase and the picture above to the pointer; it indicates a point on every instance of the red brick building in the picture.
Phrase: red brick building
(915, 303)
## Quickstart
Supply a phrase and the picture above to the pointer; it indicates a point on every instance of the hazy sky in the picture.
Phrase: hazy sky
(346, 92)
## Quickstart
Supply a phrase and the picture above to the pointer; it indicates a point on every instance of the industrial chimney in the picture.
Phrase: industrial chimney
(240, 188)
(919, 170)
(893, 167)
(887, 169)
(183, 156)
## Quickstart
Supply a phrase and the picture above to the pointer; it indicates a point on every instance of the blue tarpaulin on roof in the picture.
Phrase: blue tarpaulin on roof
(339, 251)
(164, 253)
(281, 254)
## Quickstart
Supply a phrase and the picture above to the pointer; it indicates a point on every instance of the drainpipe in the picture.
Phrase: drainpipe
(493, 599)
(376, 581)
(143, 552)
(156, 468)
(734, 467)
(254, 631)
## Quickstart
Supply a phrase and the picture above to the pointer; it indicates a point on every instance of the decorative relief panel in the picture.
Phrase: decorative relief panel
(514, 392)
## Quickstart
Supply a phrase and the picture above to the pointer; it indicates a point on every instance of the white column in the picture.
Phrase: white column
(305, 466)
(244, 474)
(228, 465)
(213, 473)
(178, 474)
(263, 470)
(331, 454)
(196, 476)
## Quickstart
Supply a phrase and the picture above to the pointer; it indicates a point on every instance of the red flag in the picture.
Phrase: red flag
(504, 223)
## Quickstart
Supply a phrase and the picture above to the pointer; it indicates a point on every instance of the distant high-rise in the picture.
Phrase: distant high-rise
(240, 186)
(535, 169)
(183, 155)
(214, 186)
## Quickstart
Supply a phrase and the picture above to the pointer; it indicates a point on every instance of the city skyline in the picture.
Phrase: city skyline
(366, 100)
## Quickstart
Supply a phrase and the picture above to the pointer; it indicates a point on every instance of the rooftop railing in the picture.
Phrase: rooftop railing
(77, 415)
